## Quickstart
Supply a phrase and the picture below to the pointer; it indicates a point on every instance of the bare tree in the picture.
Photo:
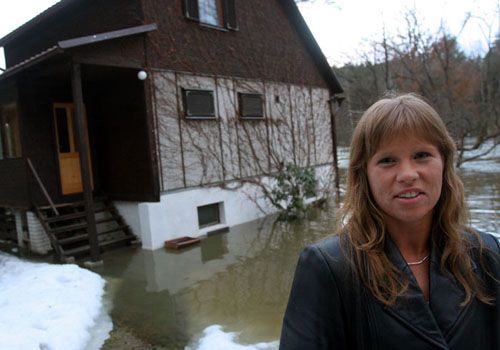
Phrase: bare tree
(463, 89)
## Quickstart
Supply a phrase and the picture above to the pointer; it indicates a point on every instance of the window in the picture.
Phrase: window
(209, 215)
(198, 104)
(218, 13)
(10, 135)
(251, 106)
(210, 12)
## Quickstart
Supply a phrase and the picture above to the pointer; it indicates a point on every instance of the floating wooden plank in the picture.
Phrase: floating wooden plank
(181, 242)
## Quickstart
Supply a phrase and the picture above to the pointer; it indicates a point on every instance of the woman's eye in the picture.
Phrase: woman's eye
(386, 160)
(422, 155)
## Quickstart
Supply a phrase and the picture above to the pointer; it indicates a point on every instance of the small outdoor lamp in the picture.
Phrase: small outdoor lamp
(142, 75)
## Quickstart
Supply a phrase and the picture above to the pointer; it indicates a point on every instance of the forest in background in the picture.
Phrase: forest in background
(464, 89)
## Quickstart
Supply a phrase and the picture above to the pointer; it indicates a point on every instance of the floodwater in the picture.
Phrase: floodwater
(240, 280)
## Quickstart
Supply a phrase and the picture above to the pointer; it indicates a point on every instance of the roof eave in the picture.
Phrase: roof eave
(35, 21)
(312, 45)
(77, 42)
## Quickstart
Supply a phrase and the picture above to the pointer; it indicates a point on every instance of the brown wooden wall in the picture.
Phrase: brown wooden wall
(118, 134)
(79, 18)
(266, 46)
(115, 100)
(36, 97)
(13, 180)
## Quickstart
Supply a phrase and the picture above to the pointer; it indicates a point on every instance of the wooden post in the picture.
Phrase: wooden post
(82, 139)
(334, 150)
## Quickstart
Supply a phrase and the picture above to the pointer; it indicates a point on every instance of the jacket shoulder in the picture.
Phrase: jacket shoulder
(482, 239)
(333, 252)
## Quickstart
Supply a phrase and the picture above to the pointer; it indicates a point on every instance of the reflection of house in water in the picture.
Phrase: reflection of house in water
(239, 279)
(176, 271)
(214, 248)
(221, 103)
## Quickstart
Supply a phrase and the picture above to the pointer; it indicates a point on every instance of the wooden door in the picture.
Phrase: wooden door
(67, 149)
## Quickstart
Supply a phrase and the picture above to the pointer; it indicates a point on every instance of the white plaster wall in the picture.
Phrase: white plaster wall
(302, 121)
(281, 127)
(176, 214)
(130, 213)
(227, 100)
(200, 138)
(252, 135)
(296, 128)
(169, 137)
(322, 126)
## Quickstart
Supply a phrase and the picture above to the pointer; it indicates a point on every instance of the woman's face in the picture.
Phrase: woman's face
(405, 177)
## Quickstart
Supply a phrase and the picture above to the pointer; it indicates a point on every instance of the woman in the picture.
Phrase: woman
(404, 272)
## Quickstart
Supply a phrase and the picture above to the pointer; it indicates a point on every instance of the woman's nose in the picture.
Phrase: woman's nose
(407, 173)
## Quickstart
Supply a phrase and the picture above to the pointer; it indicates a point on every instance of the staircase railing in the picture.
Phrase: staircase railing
(53, 240)
(42, 187)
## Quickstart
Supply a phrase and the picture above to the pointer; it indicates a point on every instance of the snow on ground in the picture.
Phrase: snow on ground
(50, 307)
(215, 338)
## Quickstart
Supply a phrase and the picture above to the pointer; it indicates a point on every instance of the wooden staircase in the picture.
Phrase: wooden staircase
(68, 230)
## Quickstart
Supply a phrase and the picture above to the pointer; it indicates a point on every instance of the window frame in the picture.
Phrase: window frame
(241, 96)
(211, 223)
(193, 116)
(11, 138)
(225, 8)
(219, 11)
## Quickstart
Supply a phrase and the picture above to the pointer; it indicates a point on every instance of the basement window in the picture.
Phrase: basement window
(251, 106)
(209, 215)
(198, 104)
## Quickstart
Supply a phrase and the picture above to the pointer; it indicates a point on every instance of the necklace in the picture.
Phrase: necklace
(413, 263)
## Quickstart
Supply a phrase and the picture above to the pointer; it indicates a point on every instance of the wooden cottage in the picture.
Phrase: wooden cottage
(126, 119)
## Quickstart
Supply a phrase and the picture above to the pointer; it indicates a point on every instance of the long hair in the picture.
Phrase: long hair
(361, 220)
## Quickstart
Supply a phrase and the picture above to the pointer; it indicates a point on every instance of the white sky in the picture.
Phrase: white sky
(344, 28)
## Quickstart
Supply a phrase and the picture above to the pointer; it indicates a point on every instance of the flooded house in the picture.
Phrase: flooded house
(149, 120)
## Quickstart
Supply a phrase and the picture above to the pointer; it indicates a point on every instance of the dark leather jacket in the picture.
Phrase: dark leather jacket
(329, 308)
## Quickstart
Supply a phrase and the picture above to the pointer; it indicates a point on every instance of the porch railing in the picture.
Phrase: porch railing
(42, 187)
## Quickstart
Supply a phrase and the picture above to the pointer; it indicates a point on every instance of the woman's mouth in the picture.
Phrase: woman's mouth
(408, 195)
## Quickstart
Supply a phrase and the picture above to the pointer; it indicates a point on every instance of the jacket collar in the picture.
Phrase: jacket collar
(434, 320)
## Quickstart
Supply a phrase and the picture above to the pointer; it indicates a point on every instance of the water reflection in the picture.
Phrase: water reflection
(239, 279)
(482, 192)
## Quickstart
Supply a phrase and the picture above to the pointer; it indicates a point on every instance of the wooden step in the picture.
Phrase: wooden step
(73, 227)
(81, 203)
(78, 215)
(86, 248)
(85, 236)
(68, 228)
(115, 229)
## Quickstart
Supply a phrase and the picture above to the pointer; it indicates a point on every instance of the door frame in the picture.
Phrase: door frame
(70, 178)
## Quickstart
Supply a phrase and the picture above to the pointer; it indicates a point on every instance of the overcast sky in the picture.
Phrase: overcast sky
(346, 27)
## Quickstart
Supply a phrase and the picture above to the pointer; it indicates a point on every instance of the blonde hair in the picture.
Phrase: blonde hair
(361, 221)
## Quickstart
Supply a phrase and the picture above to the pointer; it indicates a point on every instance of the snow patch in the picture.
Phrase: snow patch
(47, 306)
(215, 338)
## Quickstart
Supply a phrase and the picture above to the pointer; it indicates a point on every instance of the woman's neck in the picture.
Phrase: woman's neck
(412, 241)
